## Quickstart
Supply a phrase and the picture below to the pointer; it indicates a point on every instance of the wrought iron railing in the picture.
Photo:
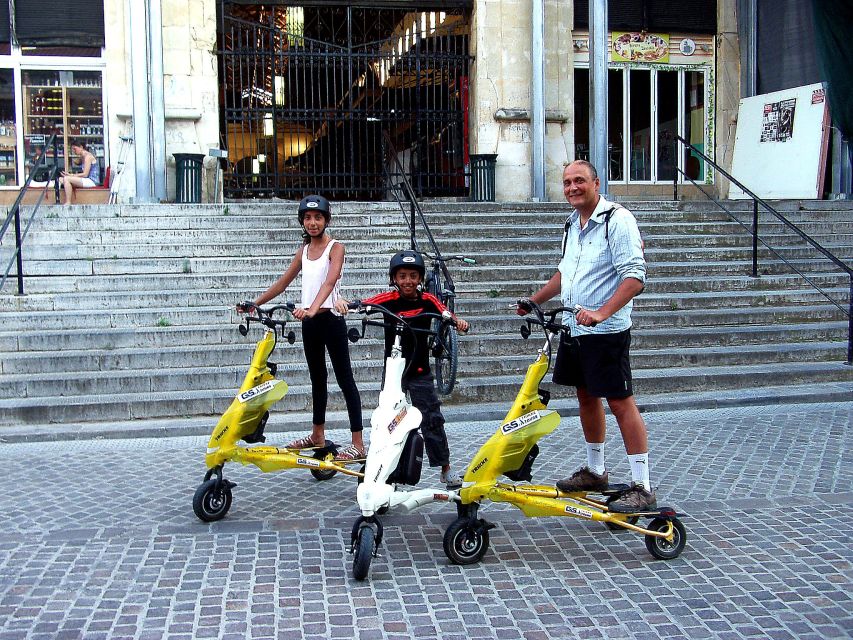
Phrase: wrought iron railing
(14, 212)
(756, 239)
(400, 187)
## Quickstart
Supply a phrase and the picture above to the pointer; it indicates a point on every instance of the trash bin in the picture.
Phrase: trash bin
(483, 177)
(188, 168)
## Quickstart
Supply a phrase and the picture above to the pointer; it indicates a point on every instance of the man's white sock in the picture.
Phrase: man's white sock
(640, 469)
(595, 457)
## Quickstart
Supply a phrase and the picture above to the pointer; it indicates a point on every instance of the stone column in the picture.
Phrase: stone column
(501, 93)
(728, 89)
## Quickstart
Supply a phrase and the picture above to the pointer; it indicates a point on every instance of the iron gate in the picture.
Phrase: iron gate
(308, 90)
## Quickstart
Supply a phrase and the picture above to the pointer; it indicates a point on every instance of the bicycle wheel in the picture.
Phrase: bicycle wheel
(447, 361)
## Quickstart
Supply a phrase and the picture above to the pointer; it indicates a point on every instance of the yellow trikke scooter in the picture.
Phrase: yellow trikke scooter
(511, 452)
(246, 418)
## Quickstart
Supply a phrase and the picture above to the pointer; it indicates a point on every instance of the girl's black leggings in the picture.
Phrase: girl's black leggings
(328, 332)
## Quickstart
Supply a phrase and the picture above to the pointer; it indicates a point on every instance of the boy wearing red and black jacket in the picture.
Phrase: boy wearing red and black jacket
(407, 271)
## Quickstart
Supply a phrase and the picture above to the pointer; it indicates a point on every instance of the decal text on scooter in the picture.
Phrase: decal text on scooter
(254, 392)
(479, 464)
(520, 422)
(397, 420)
(308, 462)
(578, 512)
(441, 496)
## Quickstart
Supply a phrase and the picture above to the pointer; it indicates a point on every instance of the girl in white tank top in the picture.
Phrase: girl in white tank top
(321, 262)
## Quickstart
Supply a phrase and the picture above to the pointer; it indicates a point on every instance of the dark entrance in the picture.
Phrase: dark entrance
(307, 91)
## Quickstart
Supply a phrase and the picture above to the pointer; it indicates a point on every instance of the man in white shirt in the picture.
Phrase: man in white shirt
(602, 269)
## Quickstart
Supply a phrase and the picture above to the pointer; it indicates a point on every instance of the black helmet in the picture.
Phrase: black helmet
(314, 203)
(406, 258)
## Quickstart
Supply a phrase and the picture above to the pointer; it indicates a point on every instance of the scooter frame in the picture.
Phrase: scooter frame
(246, 418)
(391, 423)
(511, 452)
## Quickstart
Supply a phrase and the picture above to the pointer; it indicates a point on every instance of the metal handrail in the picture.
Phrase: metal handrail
(15, 211)
(756, 239)
(415, 211)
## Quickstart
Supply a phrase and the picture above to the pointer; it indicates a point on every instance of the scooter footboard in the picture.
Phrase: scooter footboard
(407, 501)
(537, 505)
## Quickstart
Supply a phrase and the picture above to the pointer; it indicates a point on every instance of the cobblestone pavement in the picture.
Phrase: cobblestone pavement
(98, 540)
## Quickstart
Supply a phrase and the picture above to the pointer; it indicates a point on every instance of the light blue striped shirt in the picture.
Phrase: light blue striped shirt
(593, 266)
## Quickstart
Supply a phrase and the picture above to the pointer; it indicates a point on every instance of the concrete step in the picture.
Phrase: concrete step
(283, 421)
(467, 302)
(187, 316)
(224, 369)
(109, 343)
(170, 404)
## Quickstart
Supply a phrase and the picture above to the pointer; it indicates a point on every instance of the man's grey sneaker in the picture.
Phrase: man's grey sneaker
(584, 479)
(634, 500)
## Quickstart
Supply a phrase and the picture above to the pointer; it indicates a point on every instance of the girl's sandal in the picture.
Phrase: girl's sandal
(350, 452)
(303, 443)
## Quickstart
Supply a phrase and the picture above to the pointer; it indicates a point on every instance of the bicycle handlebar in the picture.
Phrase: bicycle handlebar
(264, 315)
(446, 259)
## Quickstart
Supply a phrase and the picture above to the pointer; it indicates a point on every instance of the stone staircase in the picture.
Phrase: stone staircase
(129, 314)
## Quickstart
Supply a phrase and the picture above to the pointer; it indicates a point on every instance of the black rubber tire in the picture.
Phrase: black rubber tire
(663, 549)
(323, 474)
(466, 541)
(210, 505)
(447, 363)
(364, 544)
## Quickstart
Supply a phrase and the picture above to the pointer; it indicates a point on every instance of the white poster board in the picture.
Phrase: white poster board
(780, 147)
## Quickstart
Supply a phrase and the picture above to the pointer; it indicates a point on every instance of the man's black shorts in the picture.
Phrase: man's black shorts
(598, 362)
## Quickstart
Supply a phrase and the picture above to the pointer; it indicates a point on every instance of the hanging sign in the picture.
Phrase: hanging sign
(631, 46)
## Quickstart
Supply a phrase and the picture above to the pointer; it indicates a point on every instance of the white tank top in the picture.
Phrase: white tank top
(314, 273)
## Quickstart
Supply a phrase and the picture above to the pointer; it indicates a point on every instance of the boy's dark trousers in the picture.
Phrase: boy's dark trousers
(423, 395)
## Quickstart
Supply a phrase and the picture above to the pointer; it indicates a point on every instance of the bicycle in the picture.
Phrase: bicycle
(445, 348)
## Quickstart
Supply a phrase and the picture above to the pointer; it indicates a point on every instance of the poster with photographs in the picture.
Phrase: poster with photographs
(781, 143)
(778, 122)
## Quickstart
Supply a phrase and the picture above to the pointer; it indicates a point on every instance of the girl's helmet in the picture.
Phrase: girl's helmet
(314, 203)
(406, 258)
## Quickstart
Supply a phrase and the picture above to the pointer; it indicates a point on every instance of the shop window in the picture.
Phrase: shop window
(8, 139)
(69, 104)
(640, 118)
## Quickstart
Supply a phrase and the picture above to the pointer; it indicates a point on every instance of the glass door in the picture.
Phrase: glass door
(647, 108)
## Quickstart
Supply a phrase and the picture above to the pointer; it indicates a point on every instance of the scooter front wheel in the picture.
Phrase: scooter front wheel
(466, 541)
(210, 504)
(364, 546)
(664, 549)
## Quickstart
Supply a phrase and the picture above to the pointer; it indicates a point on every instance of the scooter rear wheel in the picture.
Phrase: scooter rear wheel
(466, 541)
(209, 504)
(323, 474)
(661, 548)
(364, 545)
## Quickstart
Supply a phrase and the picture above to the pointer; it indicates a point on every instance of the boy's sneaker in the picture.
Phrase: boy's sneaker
(451, 479)
(634, 500)
(584, 479)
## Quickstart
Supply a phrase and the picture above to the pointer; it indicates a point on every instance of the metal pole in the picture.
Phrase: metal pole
(850, 325)
(138, 11)
(19, 259)
(55, 165)
(158, 108)
(754, 238)
(598, 152)
(538, 101)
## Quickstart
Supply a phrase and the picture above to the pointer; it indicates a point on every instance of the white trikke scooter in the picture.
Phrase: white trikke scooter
(396, 447)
